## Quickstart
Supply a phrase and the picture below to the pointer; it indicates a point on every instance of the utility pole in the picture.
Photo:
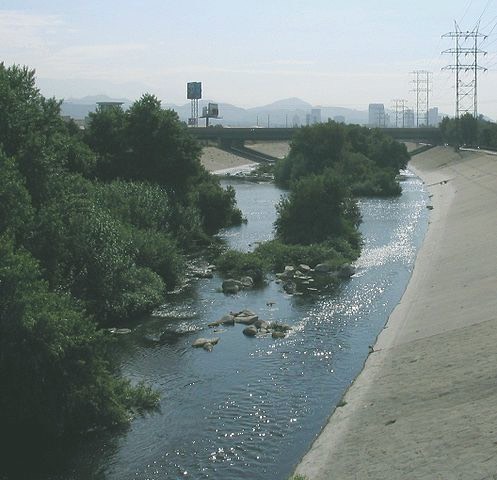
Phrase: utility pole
(399, 105)
(466, 67)
(422, 88)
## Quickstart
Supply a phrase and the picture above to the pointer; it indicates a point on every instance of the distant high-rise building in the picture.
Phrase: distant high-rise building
(296, 121)
(377, 115)
(339, 119)
(409, 118)
(315, 116)
(433, 119)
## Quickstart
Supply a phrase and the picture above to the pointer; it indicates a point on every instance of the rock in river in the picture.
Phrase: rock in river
(250, 331)
(205, 343)
(245, 319)
(231, 286)
(224, 320)
(247, 282)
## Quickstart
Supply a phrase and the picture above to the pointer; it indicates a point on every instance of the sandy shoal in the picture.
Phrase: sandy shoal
(425, 405)
(411, 146)
(215, 159)
(278, 149)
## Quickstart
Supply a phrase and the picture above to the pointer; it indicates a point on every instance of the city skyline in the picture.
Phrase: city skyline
(247, 55)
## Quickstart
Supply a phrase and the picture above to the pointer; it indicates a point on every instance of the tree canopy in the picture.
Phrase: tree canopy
(469, 131)
(366, 159)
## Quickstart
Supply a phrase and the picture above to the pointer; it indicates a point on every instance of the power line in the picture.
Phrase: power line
(481, 15)
(490, 23)
(466, 72)
(466, 11)
(422, 81)
(400, 106)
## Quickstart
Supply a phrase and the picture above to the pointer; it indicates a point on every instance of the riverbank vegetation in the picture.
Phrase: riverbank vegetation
(469, 131)
(328, 167)
(95, 226)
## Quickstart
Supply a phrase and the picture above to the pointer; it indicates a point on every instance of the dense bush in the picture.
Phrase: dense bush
(276, 254)
(144, 205)
(367, 160)
(54, 376)
(160, 253)
(239, 264)
(85, 250)
(318, 208)
(217, 206)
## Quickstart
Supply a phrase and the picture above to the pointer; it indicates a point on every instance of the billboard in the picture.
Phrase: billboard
(193, 90)
(213, 110)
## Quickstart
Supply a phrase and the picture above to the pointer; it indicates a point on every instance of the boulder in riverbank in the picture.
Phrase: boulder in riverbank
(346, 271)
(323, 268)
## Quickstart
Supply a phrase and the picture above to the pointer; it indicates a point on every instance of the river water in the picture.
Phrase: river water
(251, 408)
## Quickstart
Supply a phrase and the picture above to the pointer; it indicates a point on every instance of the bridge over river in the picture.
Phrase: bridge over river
(227, 137)
(233, 139)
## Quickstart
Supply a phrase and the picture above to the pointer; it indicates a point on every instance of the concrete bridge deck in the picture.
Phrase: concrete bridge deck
(229, 136)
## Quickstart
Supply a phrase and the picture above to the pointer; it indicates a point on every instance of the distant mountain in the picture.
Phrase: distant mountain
(93, 99)
(285, 112)
(79, 108)
(285, 104)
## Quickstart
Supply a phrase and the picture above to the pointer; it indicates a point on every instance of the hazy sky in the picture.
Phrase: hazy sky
(327, 52)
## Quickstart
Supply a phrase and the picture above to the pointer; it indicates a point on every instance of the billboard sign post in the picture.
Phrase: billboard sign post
(194, 93)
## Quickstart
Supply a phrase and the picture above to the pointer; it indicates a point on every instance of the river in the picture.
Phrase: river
(251, 408)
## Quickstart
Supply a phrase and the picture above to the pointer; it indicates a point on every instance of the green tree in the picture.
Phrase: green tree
(318, 208)
(24, 109)
(16, 212)
(55, 379)
(87, 252)
(217, 206)
(487, 134)
(106, 136)
(468, 127)
(160, 148)
(367, 159)
(312, 150)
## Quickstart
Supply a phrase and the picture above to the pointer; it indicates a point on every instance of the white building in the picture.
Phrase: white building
(433, 118)
(109, 105)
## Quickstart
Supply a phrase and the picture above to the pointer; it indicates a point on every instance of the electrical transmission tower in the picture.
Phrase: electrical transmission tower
(399, 106)
(466, 68)
(422, 87)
